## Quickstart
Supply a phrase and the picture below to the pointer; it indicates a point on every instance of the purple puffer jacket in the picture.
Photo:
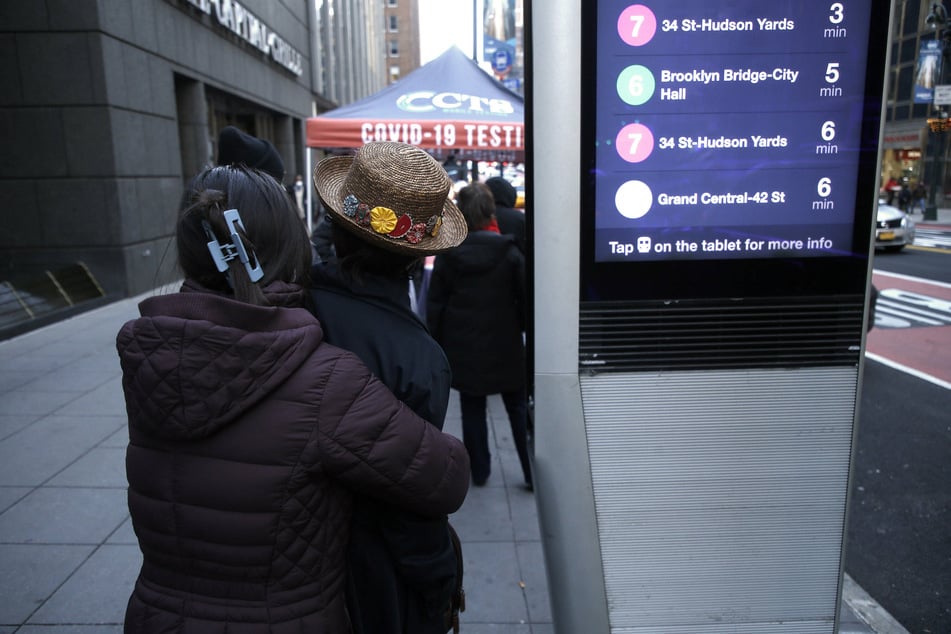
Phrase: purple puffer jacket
(248, 436)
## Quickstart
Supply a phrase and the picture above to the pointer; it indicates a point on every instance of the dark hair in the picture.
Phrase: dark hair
(273, 231)
(477, 205)
(356, 257)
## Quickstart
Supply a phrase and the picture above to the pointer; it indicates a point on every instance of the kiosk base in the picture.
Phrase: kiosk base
(720, 497)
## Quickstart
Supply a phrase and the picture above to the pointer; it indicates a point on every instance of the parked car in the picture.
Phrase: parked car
(893, 228)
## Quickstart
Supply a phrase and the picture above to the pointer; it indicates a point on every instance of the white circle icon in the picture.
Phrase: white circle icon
(633, 199)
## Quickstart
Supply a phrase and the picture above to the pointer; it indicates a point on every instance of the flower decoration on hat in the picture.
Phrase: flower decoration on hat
(403, 225)
(416, 233)
(350, 204)
(363, 214)
(384, 221)
(353, 208)
(433, 225)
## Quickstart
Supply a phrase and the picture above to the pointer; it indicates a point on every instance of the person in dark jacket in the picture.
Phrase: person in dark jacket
(402, 567)
(454, 169)
(511, 221)
(476, 311)
(322, 240)
(322, 237)
(904, 197)
(250, 436)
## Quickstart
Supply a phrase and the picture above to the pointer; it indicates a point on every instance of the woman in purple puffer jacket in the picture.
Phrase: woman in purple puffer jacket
(249, 435)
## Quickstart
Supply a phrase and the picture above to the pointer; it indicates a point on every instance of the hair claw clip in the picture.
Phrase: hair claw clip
(233, 218)
(223, 253)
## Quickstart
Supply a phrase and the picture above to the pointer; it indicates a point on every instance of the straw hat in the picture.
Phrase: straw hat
(392, 195)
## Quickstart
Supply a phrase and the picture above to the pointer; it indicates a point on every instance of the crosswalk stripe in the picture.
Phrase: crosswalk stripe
(896, 308)
(932, 238)
(898, 311)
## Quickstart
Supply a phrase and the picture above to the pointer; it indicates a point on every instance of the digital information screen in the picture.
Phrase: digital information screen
(728, 130)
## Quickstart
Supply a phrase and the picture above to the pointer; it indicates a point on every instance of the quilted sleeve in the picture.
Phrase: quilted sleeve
(378, 447)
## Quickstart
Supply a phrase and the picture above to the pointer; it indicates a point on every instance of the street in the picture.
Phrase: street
(898, 540)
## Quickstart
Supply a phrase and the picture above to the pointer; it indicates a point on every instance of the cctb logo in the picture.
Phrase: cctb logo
(427, 101)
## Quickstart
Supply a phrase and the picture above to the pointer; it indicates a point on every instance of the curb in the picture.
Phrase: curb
(868, 610)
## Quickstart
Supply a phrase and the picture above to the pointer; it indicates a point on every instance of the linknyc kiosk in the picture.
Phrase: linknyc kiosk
(703, 179)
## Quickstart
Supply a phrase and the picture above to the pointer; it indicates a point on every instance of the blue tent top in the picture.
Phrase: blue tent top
(448, 104)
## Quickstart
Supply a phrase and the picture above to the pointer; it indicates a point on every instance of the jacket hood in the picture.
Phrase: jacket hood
(196, 361)
(503, 191)
(480, 252)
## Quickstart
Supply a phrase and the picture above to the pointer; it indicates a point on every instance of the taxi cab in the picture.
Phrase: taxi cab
(894, 229)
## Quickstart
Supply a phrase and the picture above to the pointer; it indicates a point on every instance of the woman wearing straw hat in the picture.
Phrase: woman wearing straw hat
(476, 311)
(388, 208)
(250, 435)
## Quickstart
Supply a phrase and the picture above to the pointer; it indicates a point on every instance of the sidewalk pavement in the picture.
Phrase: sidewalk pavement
(944, 218)
(68, 554)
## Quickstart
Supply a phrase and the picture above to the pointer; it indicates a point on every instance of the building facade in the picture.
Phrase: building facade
(402, 37)
(911, 152)
(503, 51)
(109, 106)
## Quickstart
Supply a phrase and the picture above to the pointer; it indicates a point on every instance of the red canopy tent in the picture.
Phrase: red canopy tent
(449, 105)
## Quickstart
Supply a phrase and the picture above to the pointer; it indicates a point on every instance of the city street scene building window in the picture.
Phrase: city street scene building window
(912, 152)
(394, 48)
(394, 23)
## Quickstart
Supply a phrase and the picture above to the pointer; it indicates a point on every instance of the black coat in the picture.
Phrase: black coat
(374, 321)
(402, 567)
(512, 222)
(476, 311)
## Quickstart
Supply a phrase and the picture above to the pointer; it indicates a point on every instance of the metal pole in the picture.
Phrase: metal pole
(310, 189)
(937, 19)
(475, 31)
(936, 129)
(931, 210)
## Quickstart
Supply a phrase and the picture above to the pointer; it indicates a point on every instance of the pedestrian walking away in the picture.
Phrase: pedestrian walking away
(919, 197)
(904, 198)
(298, 188)
(250, 436)
(476, 311)
(511, 221)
